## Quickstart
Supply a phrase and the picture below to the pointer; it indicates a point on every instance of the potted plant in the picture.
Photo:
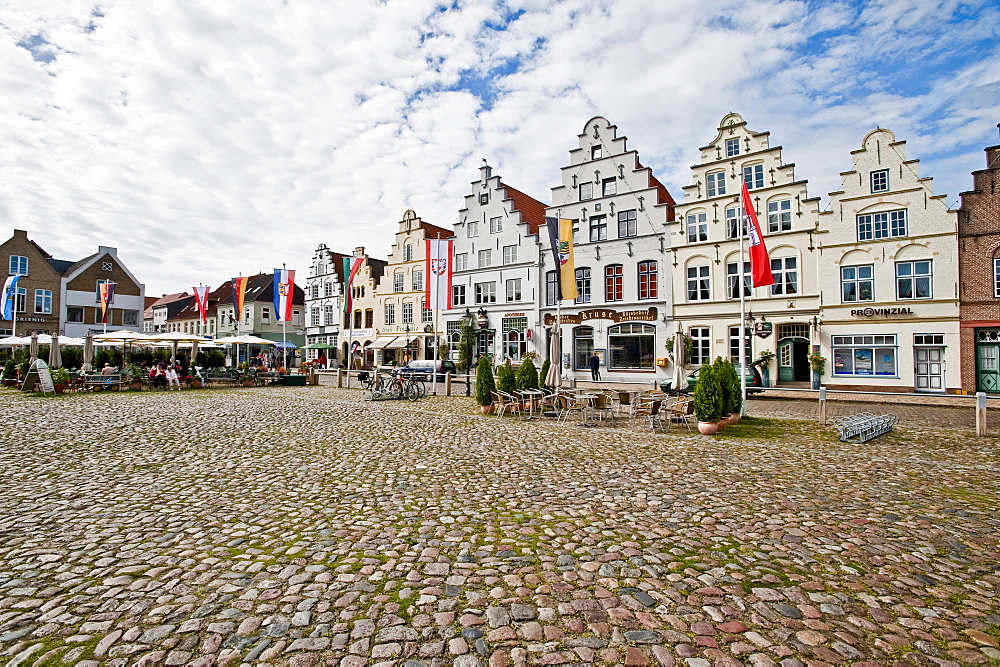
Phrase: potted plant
(60, 379)
(10, 373)
(708, 401)
(527, 374)
(506, 380)
(732, 391)
(193, 380)
(764, 364)
(135, 374)
(817, 363)
(544, 372)
(485, 384)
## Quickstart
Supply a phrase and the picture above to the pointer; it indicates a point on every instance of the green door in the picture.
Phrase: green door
(987, 369)
(786, 364)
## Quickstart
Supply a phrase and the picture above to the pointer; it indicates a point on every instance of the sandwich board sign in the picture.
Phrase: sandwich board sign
(40, 375)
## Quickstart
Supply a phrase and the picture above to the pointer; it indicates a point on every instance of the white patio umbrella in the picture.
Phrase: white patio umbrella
(122, 336)
(679, 380)
(55, 354)
(553, 378)
(34, 348)
(174, 338)
(12, 341)
(88, 353)
(245, 339)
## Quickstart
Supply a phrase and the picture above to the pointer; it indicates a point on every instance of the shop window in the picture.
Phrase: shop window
(631, 346)
(514, 342)
(583, 346)
(865, 355)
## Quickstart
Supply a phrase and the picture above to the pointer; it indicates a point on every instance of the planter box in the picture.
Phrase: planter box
(293, 380)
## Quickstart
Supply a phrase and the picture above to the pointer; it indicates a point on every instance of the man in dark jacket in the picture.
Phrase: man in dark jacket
(595, 367)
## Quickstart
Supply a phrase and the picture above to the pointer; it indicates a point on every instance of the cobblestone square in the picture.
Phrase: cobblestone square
(302, 526)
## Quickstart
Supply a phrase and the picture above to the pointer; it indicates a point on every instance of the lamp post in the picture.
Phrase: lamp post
(406, 346)
(814, 349)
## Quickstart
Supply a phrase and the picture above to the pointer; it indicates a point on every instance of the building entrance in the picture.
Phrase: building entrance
(793, 360)
(988, 360)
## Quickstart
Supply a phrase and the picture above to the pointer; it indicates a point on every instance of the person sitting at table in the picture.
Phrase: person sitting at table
(170, 374)
(108, 369)
(158, 377)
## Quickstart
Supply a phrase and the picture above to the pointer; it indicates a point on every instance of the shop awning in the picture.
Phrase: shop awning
(400, 343)
(383, 342)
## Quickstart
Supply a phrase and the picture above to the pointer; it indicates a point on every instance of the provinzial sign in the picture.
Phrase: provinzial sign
(648, 315)
(884, 312)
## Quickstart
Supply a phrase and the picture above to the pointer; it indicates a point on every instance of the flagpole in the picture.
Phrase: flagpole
(743, 317)
(284, 336)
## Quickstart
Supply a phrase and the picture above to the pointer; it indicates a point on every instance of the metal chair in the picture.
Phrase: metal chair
(603, 404)
(650, 410)
(682, 411)
(566, 404)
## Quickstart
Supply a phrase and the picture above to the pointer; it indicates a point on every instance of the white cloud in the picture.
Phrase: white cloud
(211, 139)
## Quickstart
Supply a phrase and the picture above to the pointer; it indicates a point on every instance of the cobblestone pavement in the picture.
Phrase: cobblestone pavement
(302, 526)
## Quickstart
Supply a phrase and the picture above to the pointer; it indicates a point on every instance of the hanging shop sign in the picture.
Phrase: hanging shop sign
(763, 329)
(605, 314)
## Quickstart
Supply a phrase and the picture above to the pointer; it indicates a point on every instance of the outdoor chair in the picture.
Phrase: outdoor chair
(603, 405)
(682, 411)
(650, 411)
(505, 403)
(625, 402)
(568, 404)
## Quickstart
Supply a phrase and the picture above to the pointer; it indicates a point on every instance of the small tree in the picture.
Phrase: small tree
(466, 345)
(9, 370)
(527, 375)
(506, 381)
(485, 384)
(708, 396)
(732, 391)
(544, 373)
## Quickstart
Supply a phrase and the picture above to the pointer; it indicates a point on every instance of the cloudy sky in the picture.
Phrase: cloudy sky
(209, 139)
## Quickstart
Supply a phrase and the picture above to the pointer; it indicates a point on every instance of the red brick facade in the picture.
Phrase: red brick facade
(979, 245)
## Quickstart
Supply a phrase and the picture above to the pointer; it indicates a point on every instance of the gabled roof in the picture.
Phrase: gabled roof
(437, 232)
(164, 300)
(259, 288)
(532, 211)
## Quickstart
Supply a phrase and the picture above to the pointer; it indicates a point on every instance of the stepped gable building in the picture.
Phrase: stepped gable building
(709, 271)
(979, 277)
(323, 304)
(496, 281)
(37, 305)
(889, 319)
(620, 213)
(404, 325)
(358, 332)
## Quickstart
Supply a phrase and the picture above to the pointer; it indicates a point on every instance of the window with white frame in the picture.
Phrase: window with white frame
(397, 282)
(716, 183)
(314, 316)
(733, 216)
(514, 289)
(461, 261)
(732, 147)
(734, 345)
(43, 301)
(631, 346)
(609, 187)
(407, 252)
(472, 228)
(458, 295)
(698, 283)
(786, 275)
(484, 198)
(598, 228)
(407, 313)
(888, 224)
(514, 340)
(864, 355)
(484, 258)
(18, 265)
(426, 314)
(418, 281)
(486, 292)
(20, 299)
(582, 285)
(779, 215)
(627, 224)
(328, 316)
(647, 279)
(857, 283)
(733, 279)
(614, 282)
(496, 225)
(753, 176)
(314, 290)
(914, 280)
(586, 191)
(510, 254)
(996, 277)
(390, 313)
(328, 288)
(697, 227)
(879, 180)
(701, 345)
(596, 153)
(551, 288)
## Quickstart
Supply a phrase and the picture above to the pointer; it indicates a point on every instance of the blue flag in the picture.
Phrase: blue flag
(9, 297)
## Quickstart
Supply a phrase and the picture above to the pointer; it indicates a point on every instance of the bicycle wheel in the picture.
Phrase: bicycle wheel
(395, 389)
(421, 388)
(412, 391)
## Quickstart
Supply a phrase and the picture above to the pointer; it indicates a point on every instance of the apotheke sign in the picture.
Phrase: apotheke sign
(884, 312)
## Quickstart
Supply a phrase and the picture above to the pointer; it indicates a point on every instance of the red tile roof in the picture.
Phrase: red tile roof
(532, 211)
(662, 195)
(433, 231)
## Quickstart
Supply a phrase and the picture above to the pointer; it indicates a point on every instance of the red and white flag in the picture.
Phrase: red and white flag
(107, 297)
(201, 299)
(437, 289)
(760, 263)
(351, 267)
(284, 290)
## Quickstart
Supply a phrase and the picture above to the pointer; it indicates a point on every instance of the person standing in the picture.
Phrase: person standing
(595, 367)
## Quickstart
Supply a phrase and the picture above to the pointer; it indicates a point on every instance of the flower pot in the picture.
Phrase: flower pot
(60, 388)
(486, 409)
(708, 428)
(723, 423)
(247, 383)
(135, 386)
(195, 384)
(734, 418)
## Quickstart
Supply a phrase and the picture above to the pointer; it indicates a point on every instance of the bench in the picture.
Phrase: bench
(221, 377)
(101, 382)
(864, 426)
(267, 378)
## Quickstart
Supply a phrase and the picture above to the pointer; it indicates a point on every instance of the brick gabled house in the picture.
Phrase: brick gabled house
(979, 277)
(38, 304)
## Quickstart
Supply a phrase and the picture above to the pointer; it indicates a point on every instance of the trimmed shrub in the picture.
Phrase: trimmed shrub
(527, 375)
(485, 383)
(506, 382)
(708, 396)
(544, 373)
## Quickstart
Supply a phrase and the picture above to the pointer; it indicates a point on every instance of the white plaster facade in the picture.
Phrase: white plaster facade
(621, 248)
(496, 269)
(706, 254)
(889, 257)
(323, 304)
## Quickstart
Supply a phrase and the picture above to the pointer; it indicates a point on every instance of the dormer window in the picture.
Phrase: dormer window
(596, 152)
(732, 147)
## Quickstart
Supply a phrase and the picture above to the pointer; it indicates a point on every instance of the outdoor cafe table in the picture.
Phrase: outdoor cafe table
(531, 398)
(589, 416)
